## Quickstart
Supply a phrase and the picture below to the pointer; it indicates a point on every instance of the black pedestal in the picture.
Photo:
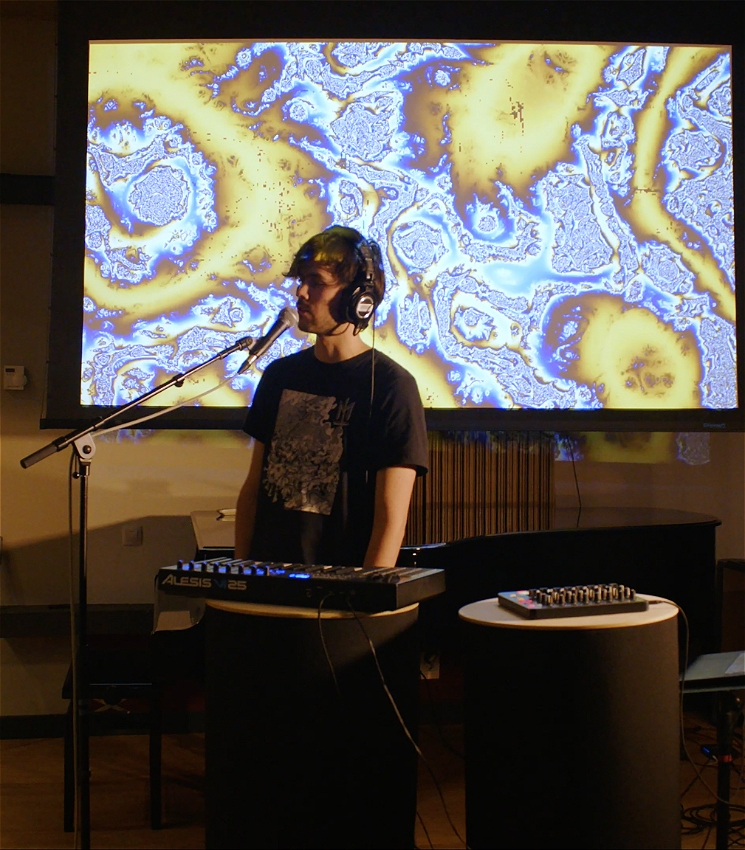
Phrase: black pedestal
(291, 761)
(571, 730)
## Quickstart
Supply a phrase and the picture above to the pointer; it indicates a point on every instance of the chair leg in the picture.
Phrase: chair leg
(69, 773)
(156, 728)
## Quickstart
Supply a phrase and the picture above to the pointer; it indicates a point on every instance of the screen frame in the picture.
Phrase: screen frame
(80, 22)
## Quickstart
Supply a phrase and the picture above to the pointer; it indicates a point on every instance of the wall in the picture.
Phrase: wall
(154, 483)
(157, 482)
(716, 488)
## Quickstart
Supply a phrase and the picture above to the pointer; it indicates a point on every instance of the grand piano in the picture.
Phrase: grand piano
(667, 553)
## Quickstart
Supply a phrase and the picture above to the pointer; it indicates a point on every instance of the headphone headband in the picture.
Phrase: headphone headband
(363, 299)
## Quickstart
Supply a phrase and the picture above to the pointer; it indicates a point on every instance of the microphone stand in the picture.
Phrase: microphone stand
(84, 449)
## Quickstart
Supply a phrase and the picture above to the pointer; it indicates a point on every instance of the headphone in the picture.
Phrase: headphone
(360, 299)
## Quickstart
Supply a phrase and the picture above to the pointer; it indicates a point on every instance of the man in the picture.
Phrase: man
(339, 433)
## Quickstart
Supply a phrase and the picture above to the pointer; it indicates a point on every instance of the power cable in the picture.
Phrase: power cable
(403, 725)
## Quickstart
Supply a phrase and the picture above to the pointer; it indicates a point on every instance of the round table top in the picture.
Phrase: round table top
(258, 609)
(488, 612)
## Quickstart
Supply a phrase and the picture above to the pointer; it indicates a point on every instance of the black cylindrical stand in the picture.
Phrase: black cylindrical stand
(291, 761)
(571, 730)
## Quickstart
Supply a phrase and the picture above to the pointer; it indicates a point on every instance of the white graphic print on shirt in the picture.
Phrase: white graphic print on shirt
(302, 470)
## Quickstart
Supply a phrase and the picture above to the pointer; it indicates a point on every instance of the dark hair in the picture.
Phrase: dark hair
(340, 250)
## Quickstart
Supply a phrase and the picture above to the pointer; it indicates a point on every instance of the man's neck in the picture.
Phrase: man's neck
(334, 348)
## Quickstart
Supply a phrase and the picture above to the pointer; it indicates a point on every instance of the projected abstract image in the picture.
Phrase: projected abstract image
(556, 220)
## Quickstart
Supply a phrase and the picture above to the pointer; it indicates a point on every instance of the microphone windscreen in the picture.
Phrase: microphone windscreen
(289, 316)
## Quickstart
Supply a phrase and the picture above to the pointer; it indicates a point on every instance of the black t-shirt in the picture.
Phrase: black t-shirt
(323, 448)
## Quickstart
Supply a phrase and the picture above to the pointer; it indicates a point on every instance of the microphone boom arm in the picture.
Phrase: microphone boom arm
(243, 344)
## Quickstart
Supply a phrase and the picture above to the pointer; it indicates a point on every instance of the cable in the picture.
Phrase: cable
(133, 422)
(370, 411)
(336, 685)
(695, 767)
(706, 838)
(323, 644)
(403, 725)
(704, 817)
(690, 784)
(696, 819)
(568, 443)
(372, 370)
(445, 742)
(426, 831)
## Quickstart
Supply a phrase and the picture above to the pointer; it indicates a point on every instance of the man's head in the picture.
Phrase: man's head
(340, 281)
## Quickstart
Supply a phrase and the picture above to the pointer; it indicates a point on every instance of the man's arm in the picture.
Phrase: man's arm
(393, 487)
(245, 509)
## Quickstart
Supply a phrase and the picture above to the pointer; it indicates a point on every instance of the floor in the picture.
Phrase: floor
(31, 786)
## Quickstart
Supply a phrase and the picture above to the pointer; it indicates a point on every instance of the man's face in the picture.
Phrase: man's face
(319, 297)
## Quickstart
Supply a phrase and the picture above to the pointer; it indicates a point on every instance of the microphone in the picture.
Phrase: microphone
(287, 318)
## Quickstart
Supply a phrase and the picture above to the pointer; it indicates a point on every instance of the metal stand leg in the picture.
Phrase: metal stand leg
(156, 724)
(84, 451)
(69, 776)
(728, 707)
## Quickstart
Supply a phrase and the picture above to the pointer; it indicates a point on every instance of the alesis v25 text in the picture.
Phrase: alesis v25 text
(371, 590)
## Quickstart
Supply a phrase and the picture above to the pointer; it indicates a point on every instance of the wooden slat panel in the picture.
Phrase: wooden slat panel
(482, 483)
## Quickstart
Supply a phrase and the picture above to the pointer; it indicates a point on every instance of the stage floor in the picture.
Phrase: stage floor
(31, 790)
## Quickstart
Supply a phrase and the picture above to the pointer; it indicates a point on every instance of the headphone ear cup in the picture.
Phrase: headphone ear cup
(361, 305)
(361, 301)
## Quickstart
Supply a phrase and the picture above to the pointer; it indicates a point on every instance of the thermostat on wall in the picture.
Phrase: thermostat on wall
(14, 377)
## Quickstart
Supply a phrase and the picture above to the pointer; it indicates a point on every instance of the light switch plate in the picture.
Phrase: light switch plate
(132, 535)
(14, 377)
